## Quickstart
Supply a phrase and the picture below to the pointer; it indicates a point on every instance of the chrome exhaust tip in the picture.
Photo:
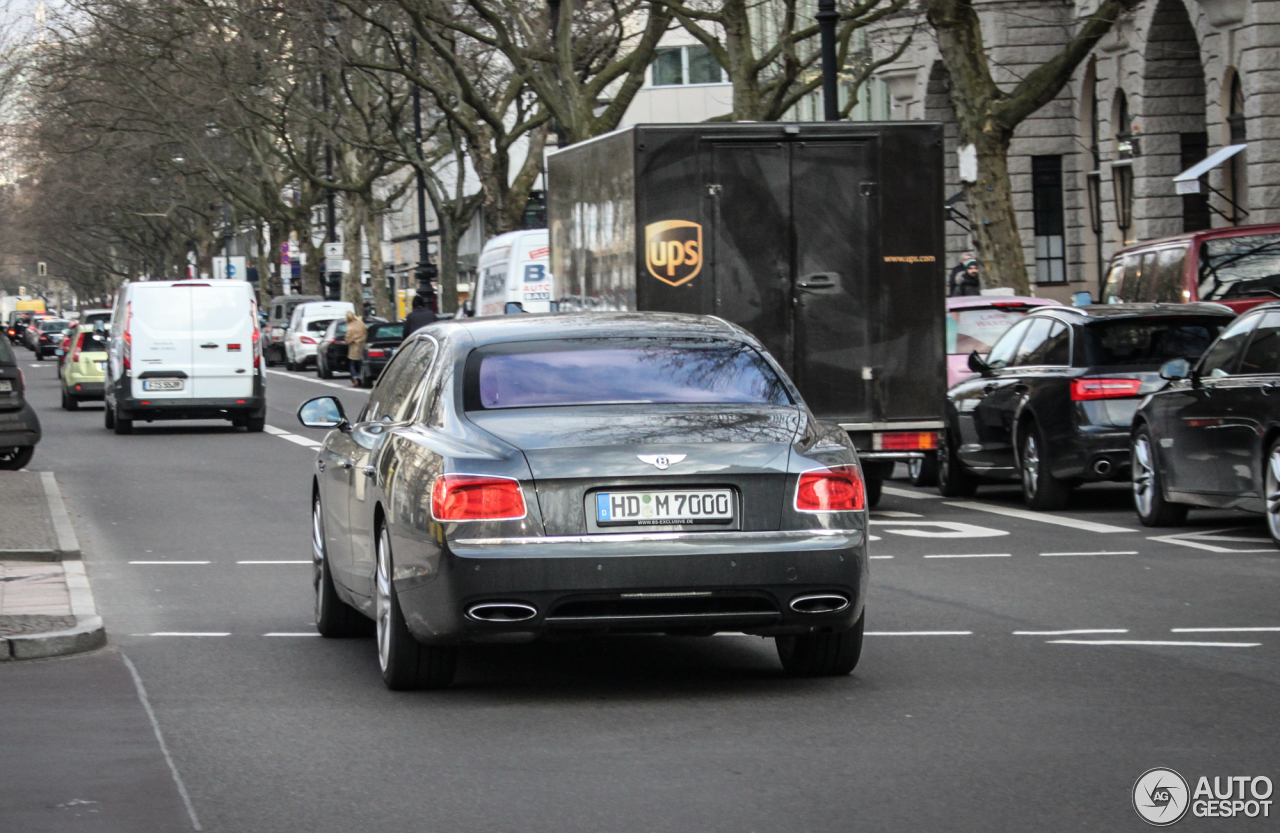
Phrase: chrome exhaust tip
(1102, 466)
(820, 603)
(501, 612)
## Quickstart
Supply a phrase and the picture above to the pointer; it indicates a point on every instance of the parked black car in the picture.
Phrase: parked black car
(1054, 399)
(331, 353)
(521, 476)
(19, 426)
(384, 340)
(1211, 438)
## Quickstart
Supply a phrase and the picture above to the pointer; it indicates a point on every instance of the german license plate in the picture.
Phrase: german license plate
(6, 385)
(162, 384)
(713, 506)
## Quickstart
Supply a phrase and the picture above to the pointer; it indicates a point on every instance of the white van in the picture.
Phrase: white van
(514, 269)
(185, 350)
(306, 327)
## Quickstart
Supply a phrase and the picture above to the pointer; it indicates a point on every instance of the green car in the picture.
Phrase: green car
(85, 369)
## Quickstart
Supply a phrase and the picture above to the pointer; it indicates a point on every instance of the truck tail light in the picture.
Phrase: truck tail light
(904, 441)
(473, 497)
(1083, 390)
(834, 489)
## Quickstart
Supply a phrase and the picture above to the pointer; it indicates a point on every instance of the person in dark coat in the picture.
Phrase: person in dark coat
(420, 317)
(966, 282)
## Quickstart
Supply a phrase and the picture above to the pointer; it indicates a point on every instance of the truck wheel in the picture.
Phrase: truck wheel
(12, 459)
(1148, 487)
(1040, 489)
(821, 654)
(923, 472)
(954, 480)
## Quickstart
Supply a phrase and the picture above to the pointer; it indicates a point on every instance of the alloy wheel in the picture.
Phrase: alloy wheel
(317, 557)
(1272, 484)
(1030, 465)
(1144, 477)
(382, 602)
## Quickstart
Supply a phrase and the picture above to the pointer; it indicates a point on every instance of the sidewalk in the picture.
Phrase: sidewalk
(46, 605)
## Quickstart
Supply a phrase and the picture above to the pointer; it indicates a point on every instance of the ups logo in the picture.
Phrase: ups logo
(673, 250)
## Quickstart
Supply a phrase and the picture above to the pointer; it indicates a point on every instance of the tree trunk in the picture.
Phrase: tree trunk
(448, 258)
(352, 222)
(383, 304)
(314, 265)
(995, 235)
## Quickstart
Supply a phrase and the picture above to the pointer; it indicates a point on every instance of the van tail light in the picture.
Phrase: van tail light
(306, 340)
(377, 354)
(257, 335)
(474, 497)
(75, 354)
(1083, 390)
(904, 441)
(834, 489)
(127, 354)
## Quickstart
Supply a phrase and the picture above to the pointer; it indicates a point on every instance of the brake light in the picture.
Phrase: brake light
(306, 340)
(1083, 390)
(834, 489)
(75, 355)
(127, 353)
(904, 441)
(473, 497)
(377, 354)
(257, 335)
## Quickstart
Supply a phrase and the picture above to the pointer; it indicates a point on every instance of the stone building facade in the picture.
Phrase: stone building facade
(1174, 81)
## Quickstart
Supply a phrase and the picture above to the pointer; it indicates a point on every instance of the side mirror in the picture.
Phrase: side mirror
(977, 365)
(1081, 299)
(1175, 369)
(512, 308)
(323, 412)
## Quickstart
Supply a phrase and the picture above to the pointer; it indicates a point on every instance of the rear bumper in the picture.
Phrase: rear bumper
(19, 428)
(86, 390)
(1082, 454)
(694, 583)
(118, 396)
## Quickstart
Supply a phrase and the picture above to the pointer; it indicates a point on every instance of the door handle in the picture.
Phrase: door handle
(209, 346)
(320, 466)
(819, 280)
(369, 471)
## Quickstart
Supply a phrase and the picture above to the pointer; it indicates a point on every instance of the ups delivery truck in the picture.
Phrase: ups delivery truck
(824, 240)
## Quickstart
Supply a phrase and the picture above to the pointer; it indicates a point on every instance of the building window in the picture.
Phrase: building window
(1046, 209)
(681, 65)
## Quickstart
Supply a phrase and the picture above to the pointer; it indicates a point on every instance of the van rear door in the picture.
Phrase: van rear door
(222, 329)
(158, 319)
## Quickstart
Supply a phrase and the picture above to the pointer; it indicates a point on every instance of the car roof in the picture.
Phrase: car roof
(1205, 234)
(534, 326)
(967, 301)
(1104, 312)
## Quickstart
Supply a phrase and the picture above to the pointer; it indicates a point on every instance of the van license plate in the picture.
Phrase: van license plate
(713, 506)
(162, 384)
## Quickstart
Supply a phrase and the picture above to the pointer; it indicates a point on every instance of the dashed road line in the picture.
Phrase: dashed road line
(312, 633)
(1039, 517)
(145, 563)
(919, 633)
(306, 442)
(303, 561)
(1055, 554)
(1154, 642)
(1077, 632)
(880, 556)
(1224, 630)
(975, 555)
(185, 633)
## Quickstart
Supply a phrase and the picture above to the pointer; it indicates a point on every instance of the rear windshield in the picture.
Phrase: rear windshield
(95, 317)
(621, 371)
(94, 343)
(1240, 267)
(1151, 341)
(50, 326)
(319, 325)
(379, 332)
(980, 328)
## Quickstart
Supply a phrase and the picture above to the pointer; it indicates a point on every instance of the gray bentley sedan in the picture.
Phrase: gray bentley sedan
(556, 476)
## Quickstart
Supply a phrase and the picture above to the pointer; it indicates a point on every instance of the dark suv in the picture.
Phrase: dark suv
(19, 426)
(1055, 398)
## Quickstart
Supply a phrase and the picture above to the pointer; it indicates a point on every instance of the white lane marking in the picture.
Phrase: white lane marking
(155, 726)
(170, 562)
(975, 555)
(881, 556)
(874, 538)
(184, 633)
(304, 561)
(305, 442)
(291, 634)
(1185, 539)
(1027, 515)
(1158, 643)
(919, 633)
(885, 513)
(271, 429)
(890, 490)
(954, 529)
(318, 381)
(1052, 554)
(1079, 632)
(1224, 630)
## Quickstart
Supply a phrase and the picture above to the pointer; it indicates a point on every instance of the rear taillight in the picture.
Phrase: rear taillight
(75, 355)
(127, 354)
(1082, 390)
(904, 441)
(377, 354)
(257, 335)
(834, 489)
(306, 340)
(472, 497)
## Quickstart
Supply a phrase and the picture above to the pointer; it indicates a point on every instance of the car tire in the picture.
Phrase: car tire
(924, 471)
(1040, 489)
(108, 416)
(954, 480)
(39, 356)
(12, 459)
(289, 365)
(821, 654)
(407, 664)
(122, 425)
(1271, 485)
(335, 619)
(254, 425)
(874, 488)
(322, 369)
(1148, 486)
(69, 402)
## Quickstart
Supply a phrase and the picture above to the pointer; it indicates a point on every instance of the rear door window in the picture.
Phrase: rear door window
(1149, 341)
(1240, 267)
(1002, 353)
(1263, 353)
(1032, 341)
(1222, 357)
(1053, 351)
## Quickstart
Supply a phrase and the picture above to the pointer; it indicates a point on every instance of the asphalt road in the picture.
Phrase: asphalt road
(1017, 675)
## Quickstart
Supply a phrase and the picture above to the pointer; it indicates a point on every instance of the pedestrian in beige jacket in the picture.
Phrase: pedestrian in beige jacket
(357, 335)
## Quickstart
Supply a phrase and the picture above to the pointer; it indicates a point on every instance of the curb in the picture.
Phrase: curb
(68, 547)
(87, 635)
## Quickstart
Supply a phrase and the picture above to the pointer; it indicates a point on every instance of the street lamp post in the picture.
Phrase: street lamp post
(827, 17)
(426, 270)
